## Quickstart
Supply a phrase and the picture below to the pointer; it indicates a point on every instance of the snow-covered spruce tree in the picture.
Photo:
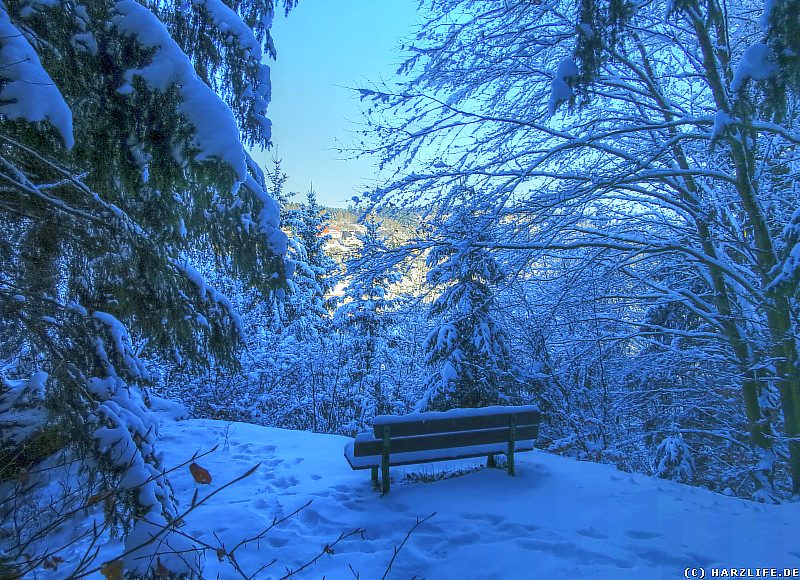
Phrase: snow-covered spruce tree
(301, 374)
(674, 460)
(660, 132)
(308, 303)
(285, 368)
(123, 129)
(314, 220)
(363, 321)
(310, 269)
(309, 332)
(467, 349)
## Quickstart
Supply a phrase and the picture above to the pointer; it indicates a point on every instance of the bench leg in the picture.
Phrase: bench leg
(385, 460)
(374, 471)
(512, 440)
(491, 461)
(385, 473)
(385, 477)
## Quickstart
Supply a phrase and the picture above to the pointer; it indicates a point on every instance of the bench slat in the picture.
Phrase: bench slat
(365, 446)
(435, 455)
(429, 423)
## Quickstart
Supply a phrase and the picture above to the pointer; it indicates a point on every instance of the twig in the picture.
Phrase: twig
(403, 543)
(275, 522)
(328, 549)
(20, 548)
(221, 551)
(172, 525)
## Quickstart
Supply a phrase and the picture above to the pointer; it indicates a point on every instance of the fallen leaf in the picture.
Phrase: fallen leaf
(162, 570)
(200, 474)
(94, 499)
(112, 570)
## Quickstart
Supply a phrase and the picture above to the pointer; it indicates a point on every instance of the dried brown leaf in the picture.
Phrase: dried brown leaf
(200, 474)
(112, 570)
(161, 570)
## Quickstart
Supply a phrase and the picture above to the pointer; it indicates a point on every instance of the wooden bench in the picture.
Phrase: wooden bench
(434, 436)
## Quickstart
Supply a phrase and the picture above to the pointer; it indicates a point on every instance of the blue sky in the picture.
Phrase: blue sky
(324, 46)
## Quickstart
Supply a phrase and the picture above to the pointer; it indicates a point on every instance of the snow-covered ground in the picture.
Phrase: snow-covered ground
(558, 518)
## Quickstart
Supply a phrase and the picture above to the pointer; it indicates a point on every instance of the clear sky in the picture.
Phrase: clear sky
(324, 46)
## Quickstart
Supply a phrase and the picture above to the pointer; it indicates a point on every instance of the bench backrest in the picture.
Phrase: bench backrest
(450, 429)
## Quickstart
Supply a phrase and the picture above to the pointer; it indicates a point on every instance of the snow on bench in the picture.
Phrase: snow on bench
(439, 436)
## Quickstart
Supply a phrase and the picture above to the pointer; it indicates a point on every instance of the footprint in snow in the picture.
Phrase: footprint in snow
(286, 481)
(310, 516)
(700, 559)
(491, 518)
(570, 551)
(515, 528)
(315, 477)
(263, 503)
(354, 506)
(590, 532)
(641, 534)
(658, 557)
(277, 542)
(466, 538)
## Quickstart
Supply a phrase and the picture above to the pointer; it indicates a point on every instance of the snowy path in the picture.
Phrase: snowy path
(558, 518)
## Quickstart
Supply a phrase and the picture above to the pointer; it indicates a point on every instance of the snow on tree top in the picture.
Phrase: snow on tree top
(216, 131)
(228, 21)
(29, 93)
(758, 62)
(560, 90)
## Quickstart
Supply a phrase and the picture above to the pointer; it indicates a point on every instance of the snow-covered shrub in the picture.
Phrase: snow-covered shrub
(673, 460)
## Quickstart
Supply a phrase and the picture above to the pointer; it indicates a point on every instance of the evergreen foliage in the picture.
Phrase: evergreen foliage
(674, 460)
(116, 172)
(364, 319)
(315, 276)
(468, 348)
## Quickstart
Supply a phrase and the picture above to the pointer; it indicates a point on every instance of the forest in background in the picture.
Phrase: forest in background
(600, 217)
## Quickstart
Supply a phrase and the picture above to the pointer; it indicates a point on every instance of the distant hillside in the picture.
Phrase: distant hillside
(397, 227)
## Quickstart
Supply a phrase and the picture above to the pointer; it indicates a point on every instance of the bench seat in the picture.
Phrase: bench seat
(439, 436)
(414, 457)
